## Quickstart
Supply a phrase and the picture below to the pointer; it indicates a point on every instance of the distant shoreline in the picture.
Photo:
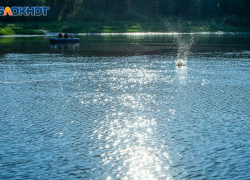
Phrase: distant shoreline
(53, 34)
(31, 28)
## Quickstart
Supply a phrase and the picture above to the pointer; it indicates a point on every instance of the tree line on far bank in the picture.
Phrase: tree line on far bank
(236, 11)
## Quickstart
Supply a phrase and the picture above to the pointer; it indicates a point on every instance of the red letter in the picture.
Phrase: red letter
(7, 10)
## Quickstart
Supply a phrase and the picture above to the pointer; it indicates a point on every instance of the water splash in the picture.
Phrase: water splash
(184, 41)
(184, 44)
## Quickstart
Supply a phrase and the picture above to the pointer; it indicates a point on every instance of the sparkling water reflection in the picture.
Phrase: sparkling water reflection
(67, 116)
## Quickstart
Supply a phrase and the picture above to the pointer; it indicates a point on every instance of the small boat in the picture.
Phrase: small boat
(64, 40)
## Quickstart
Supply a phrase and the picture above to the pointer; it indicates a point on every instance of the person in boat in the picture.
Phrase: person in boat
(66, 35)
(60, 35)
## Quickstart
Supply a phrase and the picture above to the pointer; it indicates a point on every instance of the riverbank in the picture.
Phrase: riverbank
(10, 29)
(37, 28)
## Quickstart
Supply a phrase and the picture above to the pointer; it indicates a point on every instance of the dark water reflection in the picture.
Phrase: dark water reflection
(120, 45)
(116, 107)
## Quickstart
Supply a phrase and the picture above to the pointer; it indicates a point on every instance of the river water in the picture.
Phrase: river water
(117, 107)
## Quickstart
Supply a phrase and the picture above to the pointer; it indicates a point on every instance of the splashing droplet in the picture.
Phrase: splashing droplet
(184, 44)
(184, 41)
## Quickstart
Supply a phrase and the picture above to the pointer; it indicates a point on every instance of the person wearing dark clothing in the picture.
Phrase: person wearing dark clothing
(66, 35)
(60, 35)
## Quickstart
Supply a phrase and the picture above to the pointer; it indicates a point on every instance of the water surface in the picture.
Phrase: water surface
(117, 107)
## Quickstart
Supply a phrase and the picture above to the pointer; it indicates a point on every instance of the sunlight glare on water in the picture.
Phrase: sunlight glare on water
(130, 133)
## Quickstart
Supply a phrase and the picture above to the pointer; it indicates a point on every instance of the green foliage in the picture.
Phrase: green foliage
(169, 25)
(134, 16)
(29, 31)
(10, 29)
(104, 11)
(6, 31)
